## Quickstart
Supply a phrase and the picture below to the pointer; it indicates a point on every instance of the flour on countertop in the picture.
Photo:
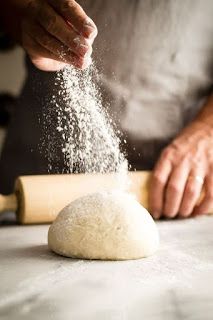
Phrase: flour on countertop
(182, 267)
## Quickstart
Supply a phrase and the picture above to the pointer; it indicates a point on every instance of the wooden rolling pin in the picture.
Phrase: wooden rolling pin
(38, 199)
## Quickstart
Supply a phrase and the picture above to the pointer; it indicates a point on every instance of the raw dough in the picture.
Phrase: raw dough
(106, 226)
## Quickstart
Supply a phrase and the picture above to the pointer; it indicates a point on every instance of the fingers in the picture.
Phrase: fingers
(192, 193)
(50, 43)
(157, 186)
(58, 28)
(46, 64)
(175, 189)
(43, 58)
(38, 39)
(75, 15)
(206, 204)
(54, 27)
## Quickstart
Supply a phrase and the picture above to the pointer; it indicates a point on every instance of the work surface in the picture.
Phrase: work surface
(175, 283)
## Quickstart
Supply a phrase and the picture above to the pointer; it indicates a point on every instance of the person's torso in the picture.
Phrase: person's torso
(156, 62)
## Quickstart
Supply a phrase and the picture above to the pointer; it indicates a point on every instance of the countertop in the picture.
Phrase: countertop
(175, 283)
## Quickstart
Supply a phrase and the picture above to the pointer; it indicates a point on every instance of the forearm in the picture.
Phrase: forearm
(206, 114)
(11, 15)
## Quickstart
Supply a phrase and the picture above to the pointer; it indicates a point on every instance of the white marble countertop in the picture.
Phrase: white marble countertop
(176, 283)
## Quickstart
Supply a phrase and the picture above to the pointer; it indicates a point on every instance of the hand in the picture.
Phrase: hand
(56, 33)
(179, 174)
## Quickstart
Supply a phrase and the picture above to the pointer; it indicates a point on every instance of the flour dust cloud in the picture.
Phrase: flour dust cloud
(86, 138)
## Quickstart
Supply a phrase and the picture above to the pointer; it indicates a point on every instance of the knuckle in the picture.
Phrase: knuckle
(157, 179)
(173, 188)
(50, 23)
(67, 5)
(191, 190)
(167, 153)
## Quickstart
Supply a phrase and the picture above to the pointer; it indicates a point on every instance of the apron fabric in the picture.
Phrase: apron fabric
(155, 60)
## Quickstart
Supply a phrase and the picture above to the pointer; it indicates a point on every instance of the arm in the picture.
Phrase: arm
(53, 32)
(184, 168)
(206, 113)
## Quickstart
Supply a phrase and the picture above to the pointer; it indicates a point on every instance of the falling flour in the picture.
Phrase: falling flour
(88, 138)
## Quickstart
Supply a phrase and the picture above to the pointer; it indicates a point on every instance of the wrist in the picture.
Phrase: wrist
(200, 128)
(205, 116)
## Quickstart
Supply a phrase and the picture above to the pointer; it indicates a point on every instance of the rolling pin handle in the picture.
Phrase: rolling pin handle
(8, 203)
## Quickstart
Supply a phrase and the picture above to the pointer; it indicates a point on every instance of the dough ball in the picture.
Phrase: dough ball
(106, 226)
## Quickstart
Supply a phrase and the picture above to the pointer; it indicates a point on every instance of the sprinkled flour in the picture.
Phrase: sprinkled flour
(88, 140)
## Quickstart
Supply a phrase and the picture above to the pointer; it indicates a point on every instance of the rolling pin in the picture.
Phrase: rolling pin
(38, 199)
